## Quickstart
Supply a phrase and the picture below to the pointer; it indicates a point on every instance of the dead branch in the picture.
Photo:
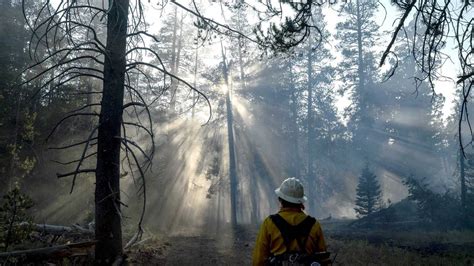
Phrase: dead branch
(125, 106)
(395, 33)
(82, 158)
(75, 173)
(212, 23)
(134, 144)
(83, 107)
(142, 216)
(179, 79)
(148, 131)
(72, 145)
(58, 230)
(74, 161)
(66, 118)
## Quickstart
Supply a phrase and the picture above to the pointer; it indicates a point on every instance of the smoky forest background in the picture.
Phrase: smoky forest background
(155, 132)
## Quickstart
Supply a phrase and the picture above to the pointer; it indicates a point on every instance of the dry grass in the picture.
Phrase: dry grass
(360, 252)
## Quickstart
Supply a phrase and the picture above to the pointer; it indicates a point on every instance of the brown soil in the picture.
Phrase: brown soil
(193, 250)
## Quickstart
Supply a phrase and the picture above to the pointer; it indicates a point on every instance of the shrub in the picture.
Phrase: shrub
(14, 221)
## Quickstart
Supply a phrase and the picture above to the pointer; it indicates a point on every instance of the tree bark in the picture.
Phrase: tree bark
(108, 230)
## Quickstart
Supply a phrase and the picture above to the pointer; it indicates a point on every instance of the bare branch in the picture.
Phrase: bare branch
(212, 23)
(125, 106)
(71, 145)
(75, 173)
(74, 161)
(395, 33)
(179, 79)
(66, 118)
(83, 156)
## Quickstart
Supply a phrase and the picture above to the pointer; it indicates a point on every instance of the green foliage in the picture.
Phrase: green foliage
(28, 133)
(14, 219)
(17, 122)
(369, 195)
(442, 211)
(17, 156)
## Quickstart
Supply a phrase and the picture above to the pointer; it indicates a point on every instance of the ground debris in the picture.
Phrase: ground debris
(71, 250)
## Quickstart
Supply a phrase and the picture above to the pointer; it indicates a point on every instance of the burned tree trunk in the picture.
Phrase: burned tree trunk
(107, 193)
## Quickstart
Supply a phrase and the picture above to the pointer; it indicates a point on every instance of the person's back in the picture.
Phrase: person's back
(290, 231)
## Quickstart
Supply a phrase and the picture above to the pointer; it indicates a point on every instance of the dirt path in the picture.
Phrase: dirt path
(208, 251)
(194, 250)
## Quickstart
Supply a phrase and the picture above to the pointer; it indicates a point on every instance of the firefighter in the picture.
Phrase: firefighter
(290, 234)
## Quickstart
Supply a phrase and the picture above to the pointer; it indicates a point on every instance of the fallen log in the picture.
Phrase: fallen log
(51, 253)
(59, 230)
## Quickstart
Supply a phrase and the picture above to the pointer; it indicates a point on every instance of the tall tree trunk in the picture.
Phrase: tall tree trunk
(241, 64)
(463, 183)
(230, 138)
(360, 61)
(193, 111)
(90, 85)
(179, 45)
(295, 160)
(108, 229)
(174, 67)
(313, 184)
(361, 84)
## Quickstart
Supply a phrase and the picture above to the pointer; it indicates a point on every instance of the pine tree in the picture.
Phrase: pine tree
(369, 195)
(412, 119)
(357, 34)
(13, 212)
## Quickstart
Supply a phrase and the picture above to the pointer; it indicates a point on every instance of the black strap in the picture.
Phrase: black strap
(290, 232)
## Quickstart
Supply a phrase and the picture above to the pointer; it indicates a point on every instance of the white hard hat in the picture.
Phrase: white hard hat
(291, 190)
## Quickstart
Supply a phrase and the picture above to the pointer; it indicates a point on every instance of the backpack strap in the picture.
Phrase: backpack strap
(290, 232)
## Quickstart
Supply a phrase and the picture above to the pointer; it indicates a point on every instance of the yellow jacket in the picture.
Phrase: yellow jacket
(270, 241)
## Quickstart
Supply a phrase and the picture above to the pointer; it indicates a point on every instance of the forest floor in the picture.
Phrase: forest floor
(352, 248)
